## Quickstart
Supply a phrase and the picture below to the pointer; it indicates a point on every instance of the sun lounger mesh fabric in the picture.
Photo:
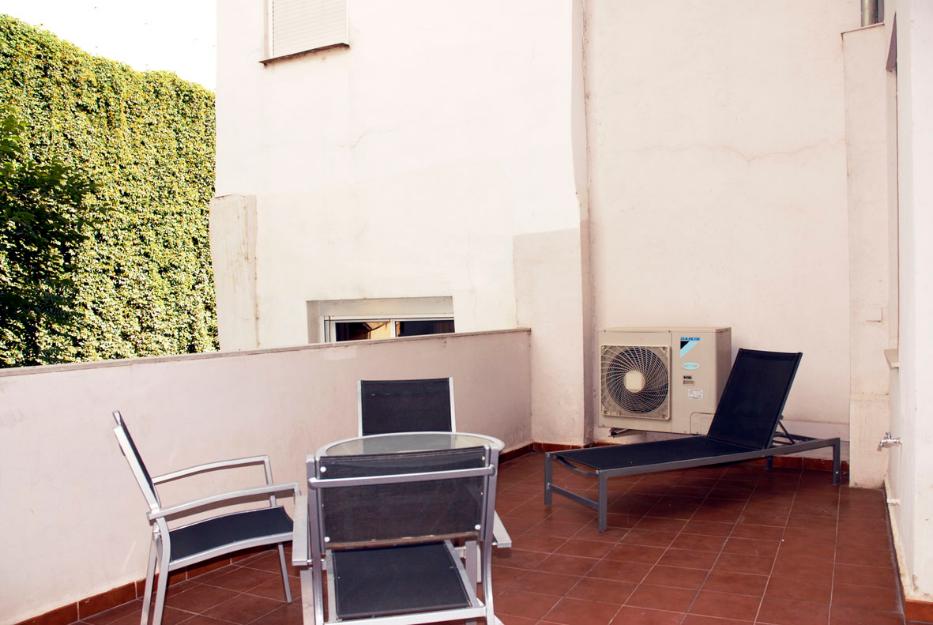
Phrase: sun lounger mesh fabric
(390, 406)
(753, 398)
(397, 580)
(408, 510)
(643, 454)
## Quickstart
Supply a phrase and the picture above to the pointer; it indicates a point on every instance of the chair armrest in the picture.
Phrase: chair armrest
(301, 556)
(215, 499)
(214, 466)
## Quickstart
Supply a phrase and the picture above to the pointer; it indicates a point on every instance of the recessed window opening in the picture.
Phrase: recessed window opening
(296, 26)
(331, 321)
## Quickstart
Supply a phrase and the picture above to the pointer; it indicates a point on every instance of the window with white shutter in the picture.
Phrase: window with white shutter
(295, 26)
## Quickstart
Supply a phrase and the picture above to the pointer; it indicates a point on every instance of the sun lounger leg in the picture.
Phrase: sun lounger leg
(548, 474)
(603, 500)
(837, 462)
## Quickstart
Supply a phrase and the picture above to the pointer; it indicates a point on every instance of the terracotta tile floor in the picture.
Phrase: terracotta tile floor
(729, 545)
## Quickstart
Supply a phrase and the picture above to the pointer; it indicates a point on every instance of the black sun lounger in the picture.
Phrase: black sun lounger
(743, 428)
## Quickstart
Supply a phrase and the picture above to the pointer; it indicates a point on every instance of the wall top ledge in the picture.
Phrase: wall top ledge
(152, 360)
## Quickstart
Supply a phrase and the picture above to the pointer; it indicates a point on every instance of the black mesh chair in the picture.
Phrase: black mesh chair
(394, 406)
(420, 405)
(229, 532)
(744, 428)
(387, 526)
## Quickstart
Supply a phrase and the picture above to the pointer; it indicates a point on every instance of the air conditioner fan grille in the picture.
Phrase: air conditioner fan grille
(635, 377)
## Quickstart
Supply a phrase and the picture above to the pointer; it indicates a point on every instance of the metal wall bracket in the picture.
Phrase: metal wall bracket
(888, 441)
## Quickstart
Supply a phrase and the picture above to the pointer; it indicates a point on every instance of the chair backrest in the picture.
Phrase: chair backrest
(137, 466)
(402, 497)
(395, 406)
(753, 399)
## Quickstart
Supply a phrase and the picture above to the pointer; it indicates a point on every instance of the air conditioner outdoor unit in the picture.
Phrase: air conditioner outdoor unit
(662, 379)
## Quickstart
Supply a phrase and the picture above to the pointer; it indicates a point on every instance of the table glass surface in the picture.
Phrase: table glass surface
(408, 442)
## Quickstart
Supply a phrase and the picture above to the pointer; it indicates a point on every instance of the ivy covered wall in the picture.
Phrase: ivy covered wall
(141, 282)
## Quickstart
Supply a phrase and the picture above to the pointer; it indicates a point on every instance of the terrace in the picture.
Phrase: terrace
(719, 546)
(567, 167)
(711, 546)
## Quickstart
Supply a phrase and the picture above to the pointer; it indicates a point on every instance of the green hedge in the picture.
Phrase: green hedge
(142, 281)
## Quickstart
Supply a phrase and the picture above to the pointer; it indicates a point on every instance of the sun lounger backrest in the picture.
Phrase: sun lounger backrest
(447, 506)
(752, 401)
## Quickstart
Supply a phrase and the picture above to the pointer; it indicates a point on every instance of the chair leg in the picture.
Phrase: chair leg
(288, 590)
(163, 582)
(471, 562)
(479, 569)
(548, 475)
(474, 572)
(150, 574)
(308, 612)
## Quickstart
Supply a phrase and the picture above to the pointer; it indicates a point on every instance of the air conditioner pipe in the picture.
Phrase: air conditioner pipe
(871, 12)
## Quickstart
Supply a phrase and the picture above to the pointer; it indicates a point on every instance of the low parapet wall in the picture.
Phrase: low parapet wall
(73, 519)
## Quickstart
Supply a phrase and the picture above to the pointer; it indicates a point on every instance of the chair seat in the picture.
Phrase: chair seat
(229, 529)
(397, 580)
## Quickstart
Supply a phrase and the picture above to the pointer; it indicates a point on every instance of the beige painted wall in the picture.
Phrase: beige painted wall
(718, 179)
(73, 519)
(549, 299)
(871, 237)
(233, 252)
(408, 165)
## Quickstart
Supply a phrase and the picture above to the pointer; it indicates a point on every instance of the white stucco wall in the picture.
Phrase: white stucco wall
(405, 164)
(408, 164)
(562, 166)
(912, 464)
(74, 520)
(718, 179)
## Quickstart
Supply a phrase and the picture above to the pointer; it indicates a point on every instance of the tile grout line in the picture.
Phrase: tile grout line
(603, 557)
(532, 498)
(832, 575)
(722, 548)
(619, 542)
(673, 540)
(723, 473)
(777, 554)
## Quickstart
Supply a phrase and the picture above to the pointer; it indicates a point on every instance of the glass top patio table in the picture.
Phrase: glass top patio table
(407, 442)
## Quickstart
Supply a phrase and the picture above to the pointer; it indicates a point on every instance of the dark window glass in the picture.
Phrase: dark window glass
(362, 330)
(366, 330)
(417, 328)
